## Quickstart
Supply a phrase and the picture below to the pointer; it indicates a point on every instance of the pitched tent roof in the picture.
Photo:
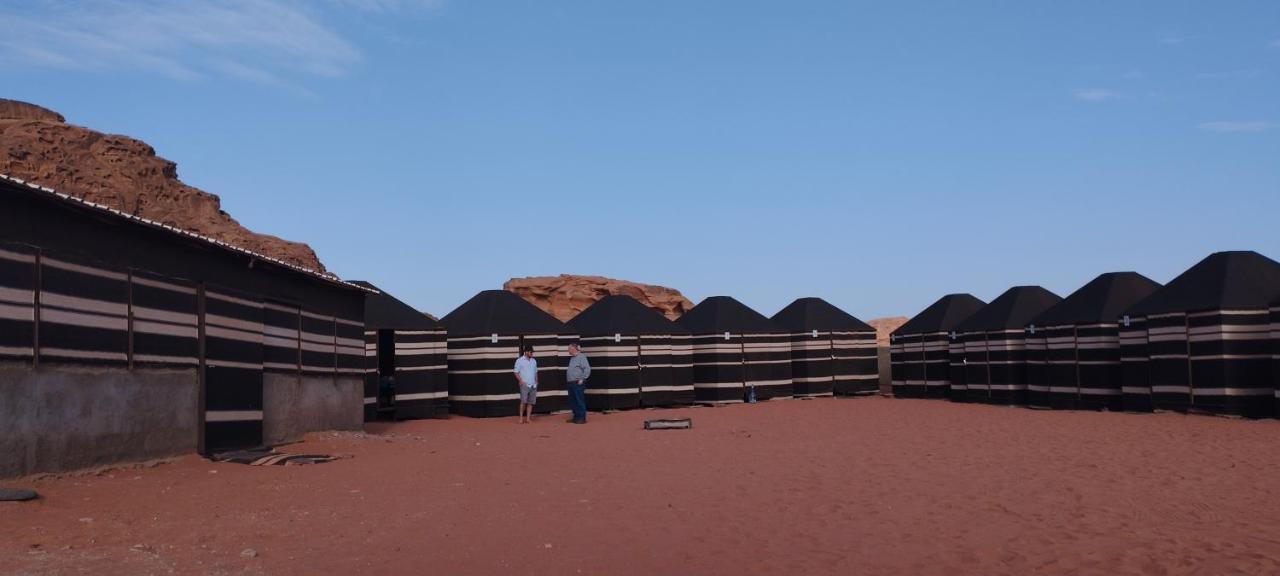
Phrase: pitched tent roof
(621, 314)
(384, 311)
(1223, 280)
(942, 316)
(724, 314)
(500, 312)
(817, 314)
(1013, 309)
(1103, 299)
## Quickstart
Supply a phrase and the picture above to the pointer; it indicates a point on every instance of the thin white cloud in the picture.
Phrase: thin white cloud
(389, 6)
(1243, 74)
(180, 39)
(1095, 94)
(1235, 126)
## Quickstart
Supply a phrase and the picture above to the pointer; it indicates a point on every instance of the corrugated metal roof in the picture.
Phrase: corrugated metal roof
(152, 223)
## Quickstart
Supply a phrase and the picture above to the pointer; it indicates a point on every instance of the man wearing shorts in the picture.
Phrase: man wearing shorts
(527, 378)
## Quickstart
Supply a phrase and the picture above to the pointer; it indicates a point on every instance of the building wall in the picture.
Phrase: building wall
(296, 404)
(57, 418)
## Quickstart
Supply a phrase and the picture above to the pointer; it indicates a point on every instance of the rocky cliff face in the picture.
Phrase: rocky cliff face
(566, 295)
(885, 326)
(37, 145)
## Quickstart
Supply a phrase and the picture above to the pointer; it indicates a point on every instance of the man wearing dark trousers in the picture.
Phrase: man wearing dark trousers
(577, 374)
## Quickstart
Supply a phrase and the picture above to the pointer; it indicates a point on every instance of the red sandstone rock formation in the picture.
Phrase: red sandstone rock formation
(566, 295)
(886, 326)
(37, 145)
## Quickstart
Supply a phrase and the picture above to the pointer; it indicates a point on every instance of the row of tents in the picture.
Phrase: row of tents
(1208, 341)
(720, 351)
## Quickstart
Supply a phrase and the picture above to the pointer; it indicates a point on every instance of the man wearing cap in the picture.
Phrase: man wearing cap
(577, 374)
(527, 379)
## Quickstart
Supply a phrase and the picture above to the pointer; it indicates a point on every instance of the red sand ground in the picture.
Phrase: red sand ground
(872, 486)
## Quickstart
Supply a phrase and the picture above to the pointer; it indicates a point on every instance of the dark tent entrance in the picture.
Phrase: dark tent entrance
(231, 328)
(405, 365)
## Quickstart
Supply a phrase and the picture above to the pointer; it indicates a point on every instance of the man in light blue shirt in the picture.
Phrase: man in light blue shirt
(526, 372)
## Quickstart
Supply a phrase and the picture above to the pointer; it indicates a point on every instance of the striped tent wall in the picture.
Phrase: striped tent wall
(164, 316)
(937, 364)
(767, 365)
(553, 390)
(1230, 362)
(615, 372)
(976, 372)
(856, 365)
(958, 389)
(718, 372)
(1037, 354)
(233, 337)
(17, 303)
(681, 388)
(913, 351)
(370, 375)
(1007, 363)
(812, 363)
(481, 383)
(1135, 365)
(1099, 367)
(666, 379)
(83, 311)
(319, 343)
(281, 338)
(906, 358)
(1169, 354)
(348, 348)
(898, 365)
(1275, 354)
(1060, 369)
(422, 377)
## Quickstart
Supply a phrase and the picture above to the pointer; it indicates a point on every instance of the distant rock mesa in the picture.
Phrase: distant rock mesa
(37, 145)
(566, 295)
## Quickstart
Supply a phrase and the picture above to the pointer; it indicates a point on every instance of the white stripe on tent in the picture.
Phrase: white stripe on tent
(83, 354)
(85, 320)
(421, 396)
(17, 296)
(232, 415)
(164, 316)
(160, 358)
(10, 312)
(48, 298)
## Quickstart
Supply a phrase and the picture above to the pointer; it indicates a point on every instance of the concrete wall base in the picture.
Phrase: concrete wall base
(59, 418)
(294, 405)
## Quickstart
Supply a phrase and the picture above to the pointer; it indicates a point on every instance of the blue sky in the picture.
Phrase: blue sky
(877, 155)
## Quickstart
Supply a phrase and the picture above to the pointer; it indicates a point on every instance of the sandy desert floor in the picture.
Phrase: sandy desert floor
(831, 486)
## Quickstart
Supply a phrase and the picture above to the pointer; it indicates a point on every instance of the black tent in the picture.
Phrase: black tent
(407, 348)
(1080, 366)
(831, 351)
(1275, 351)
(1208, 333)
(485, 337)
(736, 351)
(995, 344)
(629, 347)
(921, 360)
